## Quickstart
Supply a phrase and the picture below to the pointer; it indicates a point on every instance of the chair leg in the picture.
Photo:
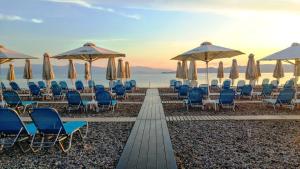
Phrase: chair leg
(66, 149)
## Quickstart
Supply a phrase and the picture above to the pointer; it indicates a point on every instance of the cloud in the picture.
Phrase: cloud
(86, 4)
(4, 17)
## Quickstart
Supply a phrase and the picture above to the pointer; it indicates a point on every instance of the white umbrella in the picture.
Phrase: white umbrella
(48, 73)
(127, 70)
(11, 73)
(220, 74)
(87, 72)
(111, 71)
(72, 74)
(278, 71)
(89, 52)
(27, 70)
(258, 70)
(251, 70)
(192, 73)
(184, 70)
(178, 70)
(234, 72)
(207, 52)
(121, 70)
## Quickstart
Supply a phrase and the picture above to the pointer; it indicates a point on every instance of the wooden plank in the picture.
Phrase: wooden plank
(151, 162)
(170, 158)
(161, 158)
(143, 154)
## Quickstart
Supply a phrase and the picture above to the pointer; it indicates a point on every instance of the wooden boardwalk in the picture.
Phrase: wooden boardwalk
(149, 145)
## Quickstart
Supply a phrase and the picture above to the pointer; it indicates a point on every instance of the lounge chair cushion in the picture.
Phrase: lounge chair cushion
(31, 128)
(72, 126)
(26, 103)
(113, 102)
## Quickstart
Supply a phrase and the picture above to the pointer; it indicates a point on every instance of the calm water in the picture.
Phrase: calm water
(149, 80)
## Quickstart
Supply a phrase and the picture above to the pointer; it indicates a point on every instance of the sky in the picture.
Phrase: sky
(149, 32)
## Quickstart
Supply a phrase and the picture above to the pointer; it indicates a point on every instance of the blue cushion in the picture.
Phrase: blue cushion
(26, 103)
(72, 126)
(31, 128)
(114, 102)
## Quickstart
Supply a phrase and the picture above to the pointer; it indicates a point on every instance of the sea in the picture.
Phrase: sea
(148, 80)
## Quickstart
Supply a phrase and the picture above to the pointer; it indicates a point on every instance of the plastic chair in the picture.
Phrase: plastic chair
(75, 101)
(104, 99)
(13, 100)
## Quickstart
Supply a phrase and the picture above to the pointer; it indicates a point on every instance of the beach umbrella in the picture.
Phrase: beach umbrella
(127, 70)
(11, 73)
(27, 70)
(192, 73)
(278, 71)
(48, 73)
(111, 71)
(121, 70)
(220, 74)
(251, 70)
(297, 69)
(290, 55)
(234, 71)
(178, 70)
(87, 72)
(89, 52)
(207, 52)
(72, 74)
(184, 71)
(258, 69)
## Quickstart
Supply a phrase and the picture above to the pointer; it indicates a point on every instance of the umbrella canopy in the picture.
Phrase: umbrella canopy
(87, 72)
(290, 53)
(11, 73)
(278, 71)
(72, 74)
(207, 52)
(89, 52)
(178, 70)
(234, 71)
(27, 70)
(111, 69)
(251, 71)
(127, 70)
(192, 72)
(7, 55)
(220, 74)
(48, 73)
(184, 70)
(258, 68)
(120, 69)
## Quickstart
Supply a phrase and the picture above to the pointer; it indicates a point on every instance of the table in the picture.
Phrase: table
(210, 102)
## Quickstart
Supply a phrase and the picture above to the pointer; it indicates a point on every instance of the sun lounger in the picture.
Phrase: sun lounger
(42, 84)
(3, 86)
(240, 85)
(63, 85)
(14, 86)
(75, 102)
(91, 84)
(194, 99)
(265, 81)
(13, 100)
(183, 91)
(99, 88)
(79, 86)
(226, 84)
(246, 91)
(57, 92)
(214, 84)
(226, 99)
(13, 131)
(177, 85)
(128, 86)
(35, 91)
(104, 99)
(285, 98)
(50, 125)
(120, 91)
(133, 83)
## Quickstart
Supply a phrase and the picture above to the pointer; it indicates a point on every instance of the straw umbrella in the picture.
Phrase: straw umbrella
(184, 71)
(251, 71)
(178, 70)
(207, 52)
(278, 71)
(220, 72)
(72, 74)
(87, 72)
(234, 72)
(121, 70)
(258, 70)
(11, 73)
(111, 71)
(48, 73)
(192, 73)
(27, 70)
(127, 70)
(89, 52)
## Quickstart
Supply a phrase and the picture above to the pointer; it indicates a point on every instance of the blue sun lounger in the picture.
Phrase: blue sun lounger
(226, 99)
(49, 123)
(79, 86)
(120, 91)
(13, 100)
(104, 99)
(13, 131)
(75, 101)
(63, 85)
(285, 98)
(15, 86)
(42, 84)
(194, 99)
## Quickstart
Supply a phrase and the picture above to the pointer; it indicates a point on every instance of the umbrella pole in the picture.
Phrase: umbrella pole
(207, 80)
(1, 85)
(90, 61)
